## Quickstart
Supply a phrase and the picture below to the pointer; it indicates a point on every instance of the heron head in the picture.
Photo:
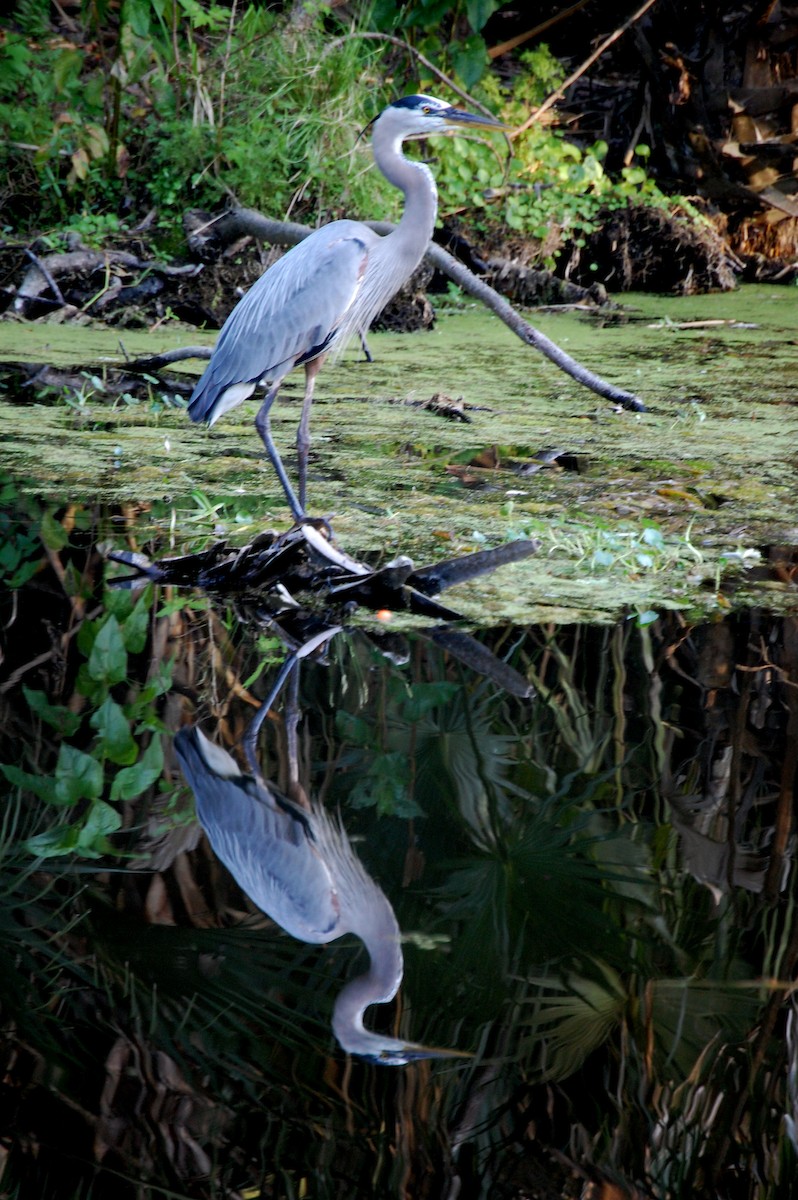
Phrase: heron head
(421, 116)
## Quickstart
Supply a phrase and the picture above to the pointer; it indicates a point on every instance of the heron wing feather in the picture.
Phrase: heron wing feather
(290, 315)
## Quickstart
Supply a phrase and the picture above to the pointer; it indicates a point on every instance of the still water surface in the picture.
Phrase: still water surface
(594, 885)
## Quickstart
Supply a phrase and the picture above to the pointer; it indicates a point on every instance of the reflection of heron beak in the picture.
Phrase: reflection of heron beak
(413, 1052)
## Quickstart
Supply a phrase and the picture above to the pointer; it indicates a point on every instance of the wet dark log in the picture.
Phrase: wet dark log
(44, 274)
(305, 561)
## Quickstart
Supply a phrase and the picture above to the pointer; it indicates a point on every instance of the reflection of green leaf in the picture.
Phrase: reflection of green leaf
(108, 657)
(88, 838)
(385, 787)
(354, 729)
(116, 740)
(101, 820)
(40, 785)
(62, 719)
(135, 626)
(53, 533)
(132, 781)
(424, 697)
(78, 776)
(61, 840)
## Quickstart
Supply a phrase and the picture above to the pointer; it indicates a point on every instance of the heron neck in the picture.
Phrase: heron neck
(410, 238)
(378, 985)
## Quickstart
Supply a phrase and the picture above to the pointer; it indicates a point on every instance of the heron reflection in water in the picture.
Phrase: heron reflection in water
(298, 866)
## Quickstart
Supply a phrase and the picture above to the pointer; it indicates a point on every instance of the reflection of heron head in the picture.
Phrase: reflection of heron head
(392, 1052)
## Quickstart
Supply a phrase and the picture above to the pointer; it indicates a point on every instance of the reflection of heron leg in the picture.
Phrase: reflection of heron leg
(303, 432)
(293, 660)
(251, 736)
(291, 721)
(263, 426)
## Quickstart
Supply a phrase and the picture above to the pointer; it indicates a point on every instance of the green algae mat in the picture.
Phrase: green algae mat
(691, 505)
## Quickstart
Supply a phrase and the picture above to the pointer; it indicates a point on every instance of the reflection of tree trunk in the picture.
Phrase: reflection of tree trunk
(784, 810)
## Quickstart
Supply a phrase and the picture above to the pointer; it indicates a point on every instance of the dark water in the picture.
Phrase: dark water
(594, 883)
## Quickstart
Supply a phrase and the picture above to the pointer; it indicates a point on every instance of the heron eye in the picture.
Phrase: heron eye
(426, 108)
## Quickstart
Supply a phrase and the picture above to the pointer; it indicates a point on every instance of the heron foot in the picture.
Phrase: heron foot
(319, 523)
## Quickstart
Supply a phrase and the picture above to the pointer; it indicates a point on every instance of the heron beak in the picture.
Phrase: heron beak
(457, 117)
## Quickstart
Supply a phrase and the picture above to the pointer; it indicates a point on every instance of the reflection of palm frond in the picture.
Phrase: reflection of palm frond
(246, 997)
(38, 923)
(583, 724)
(687, 1015)
(539, 892)
(458, 753)
(572, 1017)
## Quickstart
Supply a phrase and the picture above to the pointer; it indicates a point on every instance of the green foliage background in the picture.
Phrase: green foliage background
(161, 105)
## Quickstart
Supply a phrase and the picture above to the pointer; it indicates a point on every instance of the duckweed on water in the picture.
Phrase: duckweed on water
(634, 510)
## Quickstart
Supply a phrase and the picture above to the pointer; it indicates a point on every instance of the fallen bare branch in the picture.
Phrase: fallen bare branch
(156, 362)
(234, 223)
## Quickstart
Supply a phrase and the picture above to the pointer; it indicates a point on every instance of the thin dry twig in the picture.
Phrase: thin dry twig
(551, 100)
(51, 283)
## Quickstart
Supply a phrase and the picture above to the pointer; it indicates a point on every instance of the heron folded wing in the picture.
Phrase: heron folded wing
(289, 316)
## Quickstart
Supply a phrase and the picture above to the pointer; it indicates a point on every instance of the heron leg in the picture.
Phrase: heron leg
(263, 426)
(303, 432)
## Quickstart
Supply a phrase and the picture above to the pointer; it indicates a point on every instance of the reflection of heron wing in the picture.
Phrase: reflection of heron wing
(288, 316)
(269, 851)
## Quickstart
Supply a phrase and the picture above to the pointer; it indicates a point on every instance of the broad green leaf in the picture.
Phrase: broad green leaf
(61, 840)
(78, 776)
(470, 59)
(116, 740)
(108, 658)
(132, 781)
(57, 716)
(478, 12)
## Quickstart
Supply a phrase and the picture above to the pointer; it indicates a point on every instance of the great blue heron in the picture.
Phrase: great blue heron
(298, 866)
(328, 288)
